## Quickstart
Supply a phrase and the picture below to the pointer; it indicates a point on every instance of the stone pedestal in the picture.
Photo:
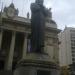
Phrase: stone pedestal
(36, 64)
(5, 72)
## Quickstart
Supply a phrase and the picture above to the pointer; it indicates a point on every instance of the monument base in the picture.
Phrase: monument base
(36, 66)
(6, 72)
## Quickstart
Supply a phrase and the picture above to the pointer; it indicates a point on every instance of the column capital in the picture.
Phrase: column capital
(13, 31)
(26, 35)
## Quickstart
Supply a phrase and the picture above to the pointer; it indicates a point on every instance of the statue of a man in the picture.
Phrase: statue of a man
(39, 13)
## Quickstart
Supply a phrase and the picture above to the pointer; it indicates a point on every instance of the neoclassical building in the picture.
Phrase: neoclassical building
(15, 38)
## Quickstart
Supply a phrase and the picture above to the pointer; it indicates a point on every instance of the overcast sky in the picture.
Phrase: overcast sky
(63, 10)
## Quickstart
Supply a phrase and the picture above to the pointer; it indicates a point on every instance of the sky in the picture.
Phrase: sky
(63, 11)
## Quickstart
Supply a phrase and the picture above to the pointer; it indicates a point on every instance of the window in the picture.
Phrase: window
(43, 72)
(73, 51)
(73, 54)
(73, 59)
(73, 48)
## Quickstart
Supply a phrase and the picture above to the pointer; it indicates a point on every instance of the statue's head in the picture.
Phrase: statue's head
(40, 2)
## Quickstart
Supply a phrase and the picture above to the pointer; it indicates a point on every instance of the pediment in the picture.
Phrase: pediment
(11, 11)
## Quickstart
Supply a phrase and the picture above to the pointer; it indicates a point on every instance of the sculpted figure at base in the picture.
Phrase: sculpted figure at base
(39, 13)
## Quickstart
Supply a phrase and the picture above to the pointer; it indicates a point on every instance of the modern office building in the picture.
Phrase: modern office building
(67, 46)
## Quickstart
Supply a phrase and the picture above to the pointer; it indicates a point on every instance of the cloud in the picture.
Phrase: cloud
(63, 10)
(63, 13)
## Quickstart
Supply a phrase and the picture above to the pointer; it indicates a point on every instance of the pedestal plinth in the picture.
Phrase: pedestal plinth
(36, 64)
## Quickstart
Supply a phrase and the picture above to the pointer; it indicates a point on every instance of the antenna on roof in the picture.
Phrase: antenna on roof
(65, 26)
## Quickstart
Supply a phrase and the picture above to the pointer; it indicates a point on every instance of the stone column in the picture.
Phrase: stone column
(1, 34)
(8, 64)
(24, 46)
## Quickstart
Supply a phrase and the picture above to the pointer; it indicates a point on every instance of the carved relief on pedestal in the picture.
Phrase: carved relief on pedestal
(49, 48)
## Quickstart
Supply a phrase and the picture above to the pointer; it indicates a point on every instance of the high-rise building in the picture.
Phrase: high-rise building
(67, 46)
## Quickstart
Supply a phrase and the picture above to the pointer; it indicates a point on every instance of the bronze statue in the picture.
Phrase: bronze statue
(39, 13)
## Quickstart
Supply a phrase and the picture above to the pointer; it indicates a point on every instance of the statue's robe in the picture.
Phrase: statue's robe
(37, 27)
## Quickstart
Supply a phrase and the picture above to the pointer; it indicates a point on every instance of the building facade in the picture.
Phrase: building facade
(67, 46)
(15, 38)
